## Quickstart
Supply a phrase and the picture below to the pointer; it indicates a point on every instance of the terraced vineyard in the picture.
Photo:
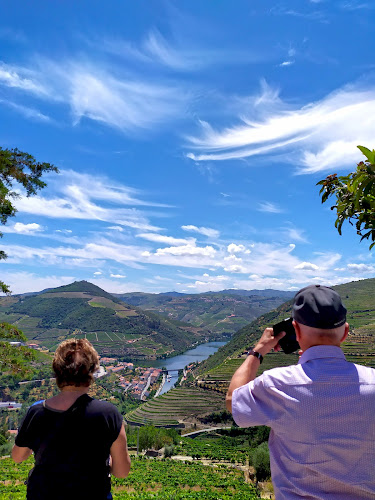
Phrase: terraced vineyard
(218, 378)
(359, 299)
(151, 479)
(176, 406)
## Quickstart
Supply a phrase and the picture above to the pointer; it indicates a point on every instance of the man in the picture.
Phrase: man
(321, 411)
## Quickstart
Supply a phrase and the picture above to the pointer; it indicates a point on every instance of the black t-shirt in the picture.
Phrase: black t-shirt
(71, 449)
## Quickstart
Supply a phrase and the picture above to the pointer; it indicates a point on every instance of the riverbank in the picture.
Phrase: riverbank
(179, 362)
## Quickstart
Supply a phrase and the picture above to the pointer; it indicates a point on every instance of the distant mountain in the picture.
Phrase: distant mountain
(359, 299)
(218, 313)
(82, 309)
(268, 292)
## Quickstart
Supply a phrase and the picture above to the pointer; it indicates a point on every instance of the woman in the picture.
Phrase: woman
(77, 440)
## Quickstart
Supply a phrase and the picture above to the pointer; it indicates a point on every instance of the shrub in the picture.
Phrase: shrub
(260, 459)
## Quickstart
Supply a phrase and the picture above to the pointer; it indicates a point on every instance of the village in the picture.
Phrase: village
(137, 382)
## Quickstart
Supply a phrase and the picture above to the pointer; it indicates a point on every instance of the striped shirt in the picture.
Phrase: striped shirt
(322, 418)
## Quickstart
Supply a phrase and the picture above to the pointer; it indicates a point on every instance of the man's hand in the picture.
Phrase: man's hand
(268, 341)
(247, 371)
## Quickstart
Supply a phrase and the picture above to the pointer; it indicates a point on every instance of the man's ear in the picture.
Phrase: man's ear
(345, 333)
(297, 329)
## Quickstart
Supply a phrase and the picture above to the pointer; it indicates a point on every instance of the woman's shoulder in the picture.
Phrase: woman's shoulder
(102, 406)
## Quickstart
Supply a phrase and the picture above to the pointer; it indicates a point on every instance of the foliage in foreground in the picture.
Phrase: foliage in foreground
(355, 197)
(21, 168)
(151, 479)
(14, 359)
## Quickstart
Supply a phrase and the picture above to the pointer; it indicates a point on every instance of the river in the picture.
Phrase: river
(199, 353)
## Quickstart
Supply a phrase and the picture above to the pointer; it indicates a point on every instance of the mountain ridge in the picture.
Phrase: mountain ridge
(82, 309)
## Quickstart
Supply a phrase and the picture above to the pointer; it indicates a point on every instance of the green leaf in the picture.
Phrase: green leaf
(370, 155)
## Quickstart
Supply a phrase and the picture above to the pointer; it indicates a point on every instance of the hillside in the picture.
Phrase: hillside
(82, 309)
(359, 299)
(217, 312)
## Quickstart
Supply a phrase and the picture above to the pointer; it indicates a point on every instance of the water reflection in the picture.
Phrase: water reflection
(199, 353)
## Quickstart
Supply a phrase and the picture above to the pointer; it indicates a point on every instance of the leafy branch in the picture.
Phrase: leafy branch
(355, 197)
(22, 168)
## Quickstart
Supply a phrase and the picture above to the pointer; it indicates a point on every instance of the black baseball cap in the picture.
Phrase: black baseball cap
(319, 306)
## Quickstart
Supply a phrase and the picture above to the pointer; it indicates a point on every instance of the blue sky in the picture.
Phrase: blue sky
(189, 137)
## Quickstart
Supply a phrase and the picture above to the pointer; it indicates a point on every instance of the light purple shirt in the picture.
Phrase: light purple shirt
(322, 418)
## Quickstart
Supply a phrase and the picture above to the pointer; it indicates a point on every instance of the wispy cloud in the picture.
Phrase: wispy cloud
(168, 240)
(123, 101)
(21, 78)
(295, 235)
(316, 136)
(30, 113)
(179, 53)
(312, 15)
(76, 200)
(356, 5)
(205, 231)
(269, 207)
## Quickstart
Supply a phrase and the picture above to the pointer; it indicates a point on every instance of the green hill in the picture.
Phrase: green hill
(82, 309)
(359, 299)
(217, 312)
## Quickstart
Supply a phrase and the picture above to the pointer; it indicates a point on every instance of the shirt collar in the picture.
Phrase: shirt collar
(321, 351)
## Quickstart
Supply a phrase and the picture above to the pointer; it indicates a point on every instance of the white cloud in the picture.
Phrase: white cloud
(97, 273)
(327, 131)
(233, 248)
(116, 228)
(269, 207)
(168, 240)
(307, 266)
(77, 193)
(64, 231)
(125, 102)
(118, 276)
(235, 269)
(361, 268)
(205, 231)
(21, 78)
(286, 63)
(232, 258)
(185, 250)
(20, 228)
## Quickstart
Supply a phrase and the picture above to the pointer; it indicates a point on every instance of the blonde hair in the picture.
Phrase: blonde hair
(74, 363)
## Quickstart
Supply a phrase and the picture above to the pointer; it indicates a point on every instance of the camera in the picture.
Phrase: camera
(289, 342)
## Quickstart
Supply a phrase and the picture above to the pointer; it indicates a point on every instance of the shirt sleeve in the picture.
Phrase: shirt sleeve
(25, 436)
(114, 421)
(252, 404)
